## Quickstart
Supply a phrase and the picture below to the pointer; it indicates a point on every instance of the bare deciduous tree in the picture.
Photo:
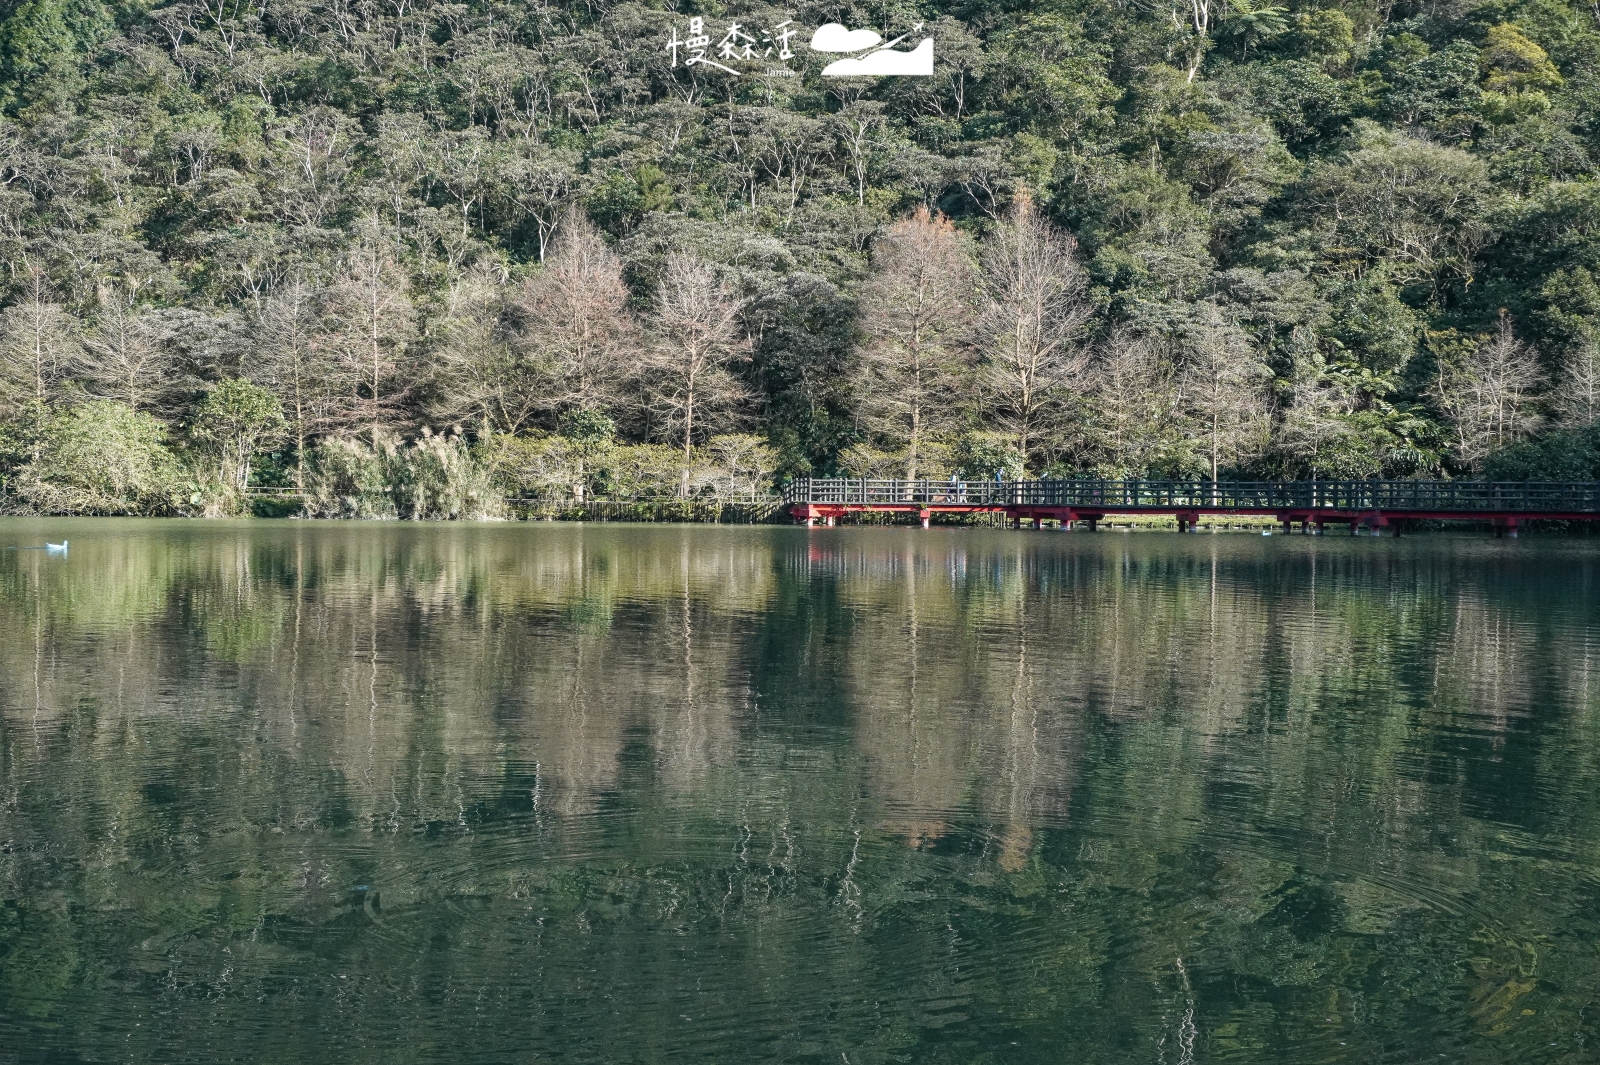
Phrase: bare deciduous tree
(855, 125)
(372, 303)
(296, 361)
(1134, 400)
(125, 357)
(540, 181)
(1028, 335)
(1489, 397)
(313, 164)
(1316, 424)
(912, 311)
(697, 337)
(480, 374)
(1577, 394)
(38, 342)
(572, 319)
(1223, 386)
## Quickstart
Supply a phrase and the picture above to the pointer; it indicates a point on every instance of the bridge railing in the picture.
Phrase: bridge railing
(872, 492)
(1532, 497)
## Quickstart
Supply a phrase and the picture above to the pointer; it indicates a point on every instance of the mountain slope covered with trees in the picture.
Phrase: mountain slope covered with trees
(409, 255)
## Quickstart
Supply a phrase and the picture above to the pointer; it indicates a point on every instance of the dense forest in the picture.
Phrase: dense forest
(411, 256)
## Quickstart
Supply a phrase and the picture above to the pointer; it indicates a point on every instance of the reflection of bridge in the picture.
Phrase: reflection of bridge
(1374, 504)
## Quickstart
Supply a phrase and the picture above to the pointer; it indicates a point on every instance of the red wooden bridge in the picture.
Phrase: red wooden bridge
(1310, 504)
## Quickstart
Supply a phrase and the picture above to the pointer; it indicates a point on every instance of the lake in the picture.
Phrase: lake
(297, 791)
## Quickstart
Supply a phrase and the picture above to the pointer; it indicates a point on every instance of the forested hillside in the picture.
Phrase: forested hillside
(411, 254)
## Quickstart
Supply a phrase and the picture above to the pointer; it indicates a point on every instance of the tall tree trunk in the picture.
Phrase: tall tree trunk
(688, 437)
(1216, 446)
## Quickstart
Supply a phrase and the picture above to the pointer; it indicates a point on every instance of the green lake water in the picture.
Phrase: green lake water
(294, 791)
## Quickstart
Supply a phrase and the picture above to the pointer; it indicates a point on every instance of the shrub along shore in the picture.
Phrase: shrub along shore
(102, 458)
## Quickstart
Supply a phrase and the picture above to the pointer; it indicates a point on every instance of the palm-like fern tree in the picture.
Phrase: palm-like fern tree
(1252, 21)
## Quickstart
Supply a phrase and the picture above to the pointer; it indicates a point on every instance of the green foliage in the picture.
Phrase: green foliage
(1432, 89)
(1511, 63)
(348, 478)
(621, 199)
(1564, 455)
(1252, 21)
(44, 40)
(1369, 319)
(1326, 35)
(438, 476)
(234, 421)
(361, 223)
(1379, 441)
(565, 469)
(986, 455)
(589, 429)
(101, 457)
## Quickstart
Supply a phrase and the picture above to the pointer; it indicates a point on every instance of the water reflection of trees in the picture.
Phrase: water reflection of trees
(969, 667)
(801, 722)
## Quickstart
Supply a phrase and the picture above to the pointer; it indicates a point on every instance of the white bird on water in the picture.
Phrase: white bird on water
(48, 548)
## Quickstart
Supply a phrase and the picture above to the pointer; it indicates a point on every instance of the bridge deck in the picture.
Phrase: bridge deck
(1371, 503)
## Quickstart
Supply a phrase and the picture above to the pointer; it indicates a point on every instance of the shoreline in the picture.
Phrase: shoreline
(610, 512)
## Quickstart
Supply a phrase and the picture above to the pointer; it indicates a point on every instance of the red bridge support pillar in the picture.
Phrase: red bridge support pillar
(1375, 520)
